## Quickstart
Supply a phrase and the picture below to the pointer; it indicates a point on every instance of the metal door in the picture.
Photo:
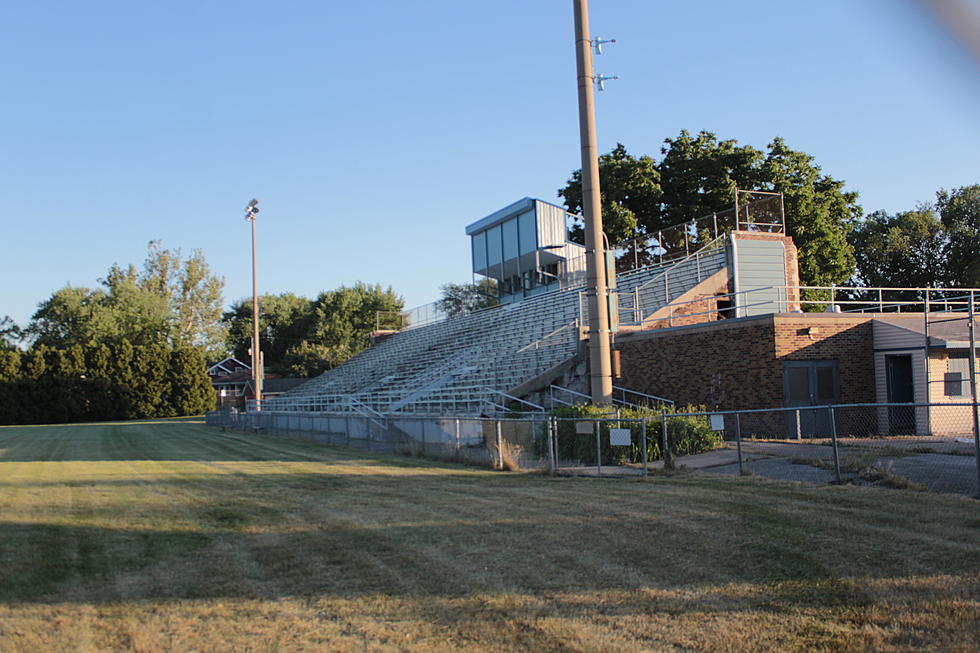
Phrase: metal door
(901, 390)
(805, 384)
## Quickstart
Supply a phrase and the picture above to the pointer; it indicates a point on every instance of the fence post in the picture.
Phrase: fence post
(833, 436)
(500, 448)
(554, 427)
(799, 425)
(457, 434)
(643, 443)
(598, 450)
(664, 452)
(973, 386)
(738, 440)
(551, 447)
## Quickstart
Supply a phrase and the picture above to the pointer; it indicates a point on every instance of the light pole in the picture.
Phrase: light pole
(250, 212)
(600, 360)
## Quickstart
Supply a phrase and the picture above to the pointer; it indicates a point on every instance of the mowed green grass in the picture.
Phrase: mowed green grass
(157, 536)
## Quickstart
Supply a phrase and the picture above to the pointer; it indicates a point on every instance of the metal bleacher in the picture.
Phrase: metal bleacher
(467, 365)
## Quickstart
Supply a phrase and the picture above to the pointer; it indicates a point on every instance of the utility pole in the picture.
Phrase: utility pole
(600, 360)
(250, 212)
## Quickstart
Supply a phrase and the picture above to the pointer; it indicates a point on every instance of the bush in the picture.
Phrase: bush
(686, 435)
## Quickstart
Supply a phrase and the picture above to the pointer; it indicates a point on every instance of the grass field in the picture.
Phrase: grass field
(173, 536)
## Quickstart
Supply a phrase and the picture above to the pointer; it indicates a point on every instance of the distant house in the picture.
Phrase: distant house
(226, 367)
(232, 383)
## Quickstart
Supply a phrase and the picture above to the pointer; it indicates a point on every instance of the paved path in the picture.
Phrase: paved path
(787, 461)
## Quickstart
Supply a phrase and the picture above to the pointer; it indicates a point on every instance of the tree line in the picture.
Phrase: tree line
(306, 337)
(48, 385)
(697, 175)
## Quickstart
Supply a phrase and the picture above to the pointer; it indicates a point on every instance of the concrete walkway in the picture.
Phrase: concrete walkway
(939, 465)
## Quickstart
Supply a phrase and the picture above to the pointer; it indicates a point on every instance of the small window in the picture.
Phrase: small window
(953, 384)
(956, 382)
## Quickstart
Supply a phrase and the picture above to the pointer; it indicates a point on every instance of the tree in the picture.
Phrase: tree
(172, 299)
(908, 249)
(306, 337)
(698, 176)
(461, 298)
(630, 195)
(190, 388)
(959, 211)
(10, 334)
(284, 322)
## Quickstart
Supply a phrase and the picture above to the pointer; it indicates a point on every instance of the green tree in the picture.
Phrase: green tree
(172, 299)
(461, 298)
(284, 323)
(908, 249)
(190, 388)
(819, 214)
(959, 211)
(630, 195)
(10, 333)
(305, 337)
(698, 176)
(343, 319)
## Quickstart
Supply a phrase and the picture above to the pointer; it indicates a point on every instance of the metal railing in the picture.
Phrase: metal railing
(761, 212)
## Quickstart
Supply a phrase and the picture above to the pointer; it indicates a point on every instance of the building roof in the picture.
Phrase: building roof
(509, 211)
(228, 364)
(946, 330)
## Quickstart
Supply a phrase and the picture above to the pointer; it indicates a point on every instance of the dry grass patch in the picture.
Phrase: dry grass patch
(153, 537)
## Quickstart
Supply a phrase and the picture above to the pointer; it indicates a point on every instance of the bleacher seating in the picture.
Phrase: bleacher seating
(463, 364)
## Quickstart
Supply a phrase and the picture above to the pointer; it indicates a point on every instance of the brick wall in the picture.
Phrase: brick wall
(704, 364)
(739, 363)
(847, 340)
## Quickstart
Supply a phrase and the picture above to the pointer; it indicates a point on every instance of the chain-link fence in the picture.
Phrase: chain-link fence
(915, 446)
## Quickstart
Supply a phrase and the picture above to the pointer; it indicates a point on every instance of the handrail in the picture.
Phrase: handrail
(537, 343)
(642, 394)
(676, 262)
(517, 399)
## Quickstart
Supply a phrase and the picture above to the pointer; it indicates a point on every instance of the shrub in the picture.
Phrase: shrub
(686, 435)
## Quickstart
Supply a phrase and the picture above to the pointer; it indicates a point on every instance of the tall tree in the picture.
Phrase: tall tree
(461, 298)
(190, 389)
(10, 333)
(959, 211)
(305, 337)
(171, 299)
(698, 176)
(630, 195)
(904, 250)
(284, 322)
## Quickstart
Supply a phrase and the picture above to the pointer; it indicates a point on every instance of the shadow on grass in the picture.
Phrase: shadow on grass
(312, 535)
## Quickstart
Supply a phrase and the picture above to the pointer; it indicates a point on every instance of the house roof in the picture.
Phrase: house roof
(235, 378)
(946, 330)
(228, 364)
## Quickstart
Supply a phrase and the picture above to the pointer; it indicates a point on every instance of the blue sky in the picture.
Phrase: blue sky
(374, 132)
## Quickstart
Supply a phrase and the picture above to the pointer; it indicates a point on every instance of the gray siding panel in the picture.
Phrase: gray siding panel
(760, 264)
